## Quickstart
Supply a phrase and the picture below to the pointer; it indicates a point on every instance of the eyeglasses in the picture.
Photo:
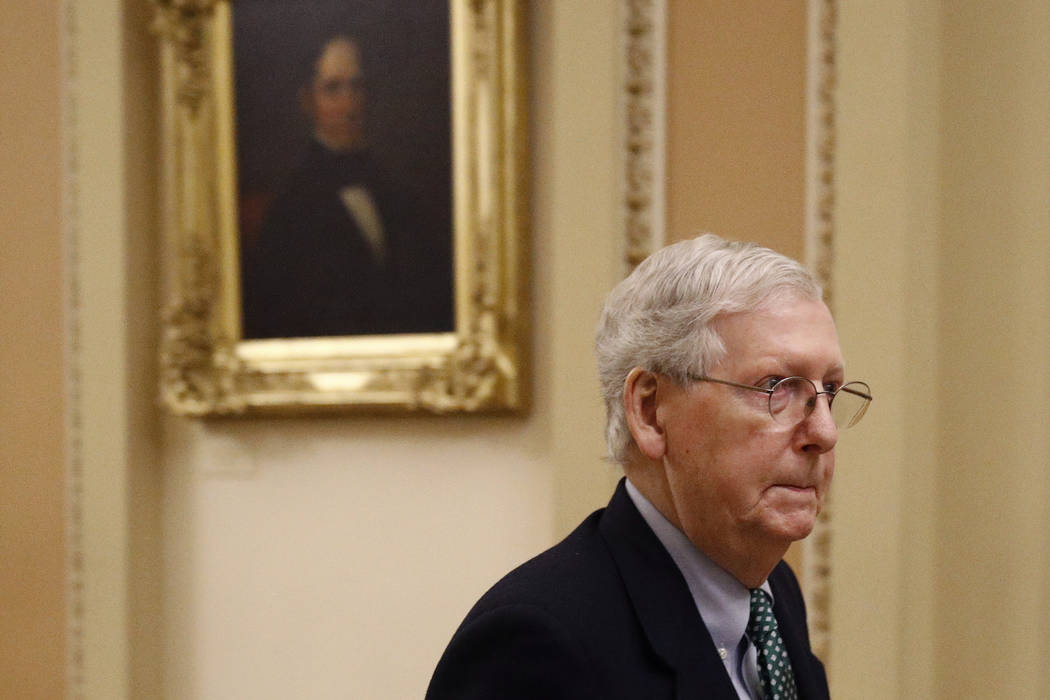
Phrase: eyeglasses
(792, 399)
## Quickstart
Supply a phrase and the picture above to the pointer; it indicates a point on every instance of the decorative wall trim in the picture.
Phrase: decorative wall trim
(820, 153)
(73, 420)
(820, 202)
(644, 104)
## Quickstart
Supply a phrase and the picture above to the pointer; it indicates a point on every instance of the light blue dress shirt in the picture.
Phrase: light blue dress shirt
(723, 602)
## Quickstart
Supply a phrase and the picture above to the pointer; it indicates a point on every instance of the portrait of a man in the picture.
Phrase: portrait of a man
(355, 237)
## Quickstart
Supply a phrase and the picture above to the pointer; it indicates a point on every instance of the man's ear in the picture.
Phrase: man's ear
(639, 403)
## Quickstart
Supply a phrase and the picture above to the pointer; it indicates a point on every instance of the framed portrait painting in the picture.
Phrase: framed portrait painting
(344, 205)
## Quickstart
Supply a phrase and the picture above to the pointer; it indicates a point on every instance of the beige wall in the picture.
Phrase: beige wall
(736, 121)
(325, 555)
(331, 558)
(942, 532)
(994, 442)
(32, 450)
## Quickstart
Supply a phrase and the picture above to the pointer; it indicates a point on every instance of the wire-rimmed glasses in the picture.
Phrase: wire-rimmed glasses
(792, 399)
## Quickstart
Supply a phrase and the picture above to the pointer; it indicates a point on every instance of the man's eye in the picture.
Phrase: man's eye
(334, 87)
(831, 387)
(769, 382)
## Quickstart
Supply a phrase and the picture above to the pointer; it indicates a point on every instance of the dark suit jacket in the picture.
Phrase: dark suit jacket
(311, 271)
(605, 614)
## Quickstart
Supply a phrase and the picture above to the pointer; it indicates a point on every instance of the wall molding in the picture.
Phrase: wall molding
(644, 106)
(74, 467)
(819, 239)
(98, 385)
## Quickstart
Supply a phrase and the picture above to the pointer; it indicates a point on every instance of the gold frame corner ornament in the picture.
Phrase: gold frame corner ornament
(207, 369)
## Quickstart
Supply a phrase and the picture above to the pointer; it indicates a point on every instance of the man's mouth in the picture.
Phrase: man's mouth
(796, 488)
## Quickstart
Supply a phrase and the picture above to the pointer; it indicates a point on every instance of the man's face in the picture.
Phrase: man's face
(734, 474)
(336, 100)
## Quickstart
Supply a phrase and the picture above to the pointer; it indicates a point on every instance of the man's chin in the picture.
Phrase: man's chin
(341, 140)
(792, 526)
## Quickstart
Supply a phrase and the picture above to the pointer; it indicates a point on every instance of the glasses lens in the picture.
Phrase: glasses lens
(792, 400)
(850, 403)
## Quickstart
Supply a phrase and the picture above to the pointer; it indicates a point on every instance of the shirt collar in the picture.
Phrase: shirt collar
(723, 602)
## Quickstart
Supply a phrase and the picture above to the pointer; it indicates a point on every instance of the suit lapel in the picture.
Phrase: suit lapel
(791, 621)
(662, 602)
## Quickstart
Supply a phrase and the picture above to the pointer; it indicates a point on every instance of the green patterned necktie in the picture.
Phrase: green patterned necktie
(774, 666)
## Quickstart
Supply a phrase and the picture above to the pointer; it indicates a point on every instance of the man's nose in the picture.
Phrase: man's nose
(819, 432)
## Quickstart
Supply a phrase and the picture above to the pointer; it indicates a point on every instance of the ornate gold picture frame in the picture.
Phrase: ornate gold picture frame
(208, 365)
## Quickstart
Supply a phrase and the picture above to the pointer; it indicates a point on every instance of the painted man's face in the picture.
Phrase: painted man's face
(336, 101)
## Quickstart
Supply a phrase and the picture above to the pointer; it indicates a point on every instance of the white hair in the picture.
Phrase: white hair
(660, 317)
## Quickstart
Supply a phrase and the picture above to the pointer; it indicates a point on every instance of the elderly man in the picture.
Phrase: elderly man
(725, 392)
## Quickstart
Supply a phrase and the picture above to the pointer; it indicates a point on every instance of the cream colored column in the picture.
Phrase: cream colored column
(942, 278)
(578, 239)
(886, 299)
(100, 457)
(993, 534)
(110, 168)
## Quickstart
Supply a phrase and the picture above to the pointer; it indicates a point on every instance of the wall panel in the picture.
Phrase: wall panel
(32, 450)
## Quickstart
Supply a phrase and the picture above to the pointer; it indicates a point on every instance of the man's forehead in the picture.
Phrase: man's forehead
(340, 57)
(787, 329)
(777, 307)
